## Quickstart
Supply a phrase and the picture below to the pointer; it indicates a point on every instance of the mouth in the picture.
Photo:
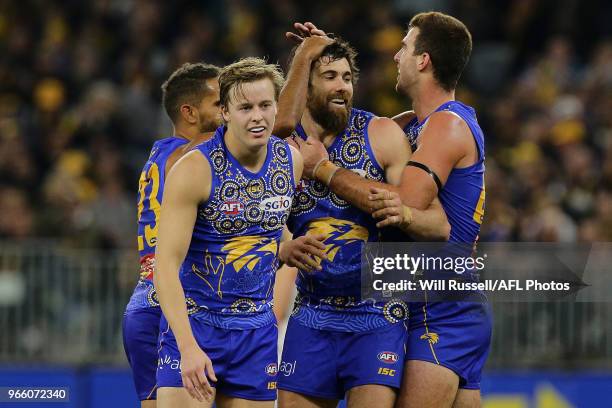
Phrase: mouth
(338, 102)
(257, 131)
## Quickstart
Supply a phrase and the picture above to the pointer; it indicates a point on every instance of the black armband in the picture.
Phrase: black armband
(429, 171)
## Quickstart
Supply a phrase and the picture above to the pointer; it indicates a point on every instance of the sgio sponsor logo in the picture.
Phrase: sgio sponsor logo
(388, 357)
(231, 207)
(287, 368)
(276, 204)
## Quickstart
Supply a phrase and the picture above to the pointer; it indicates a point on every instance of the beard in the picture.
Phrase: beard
(209, 124)
(334, 121)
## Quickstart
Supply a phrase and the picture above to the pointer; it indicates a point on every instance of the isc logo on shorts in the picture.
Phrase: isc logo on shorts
(271, 369)
(275, 204)
(388, 357)
(272, 385)
(386, 371)
(231, 207)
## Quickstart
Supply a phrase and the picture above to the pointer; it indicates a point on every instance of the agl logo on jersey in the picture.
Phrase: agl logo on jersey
(231, 207)
(388, 357)
(276, 204)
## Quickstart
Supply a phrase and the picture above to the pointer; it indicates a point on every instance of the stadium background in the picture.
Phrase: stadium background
(80, 108)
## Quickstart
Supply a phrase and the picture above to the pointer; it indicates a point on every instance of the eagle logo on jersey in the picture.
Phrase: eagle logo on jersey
(248, 250)
(338, 233)
(431, 337)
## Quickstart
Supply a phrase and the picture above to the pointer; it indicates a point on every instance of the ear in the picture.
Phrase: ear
(225, 114)
(423, 61)
(188, 114)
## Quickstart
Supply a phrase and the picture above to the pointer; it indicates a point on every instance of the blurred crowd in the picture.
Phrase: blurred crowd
(80, 102)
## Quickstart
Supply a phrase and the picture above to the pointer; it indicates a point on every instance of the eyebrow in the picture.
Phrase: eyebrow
(334, 71)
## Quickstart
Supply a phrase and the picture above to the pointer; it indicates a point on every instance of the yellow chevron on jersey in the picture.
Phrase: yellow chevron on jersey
(337, 233)
(248, 250)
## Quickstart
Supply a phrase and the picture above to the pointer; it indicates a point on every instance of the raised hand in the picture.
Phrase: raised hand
(303, 31)
(312, 47)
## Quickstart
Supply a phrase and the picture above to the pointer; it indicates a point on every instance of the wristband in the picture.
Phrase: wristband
(316, 167)
(324, 171)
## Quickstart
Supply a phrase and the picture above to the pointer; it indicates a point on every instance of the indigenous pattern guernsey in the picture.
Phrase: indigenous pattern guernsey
(228, 273)
(150, 192)
(330, 299)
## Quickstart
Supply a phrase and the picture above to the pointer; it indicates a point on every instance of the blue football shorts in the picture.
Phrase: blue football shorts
(455, 335)
(140, 335)
(326, 364)
(244, 361)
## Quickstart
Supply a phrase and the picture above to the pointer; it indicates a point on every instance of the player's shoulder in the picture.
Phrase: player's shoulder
(385, 131)
(383, 124)
(388, 141)
(169, 141)
(404, 119)
(193, 163)
(165, 145)
(446, 126)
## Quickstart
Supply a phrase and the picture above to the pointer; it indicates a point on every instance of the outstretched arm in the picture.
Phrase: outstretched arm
(392, 152)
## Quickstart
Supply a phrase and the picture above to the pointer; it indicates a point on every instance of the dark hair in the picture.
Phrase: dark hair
(247, 70)
(187, 85)
(448, 43)
(336, 51)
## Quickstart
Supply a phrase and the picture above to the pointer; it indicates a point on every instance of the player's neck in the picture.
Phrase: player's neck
(315, 130)
(428, 98)
(186, 132)
(251, 158)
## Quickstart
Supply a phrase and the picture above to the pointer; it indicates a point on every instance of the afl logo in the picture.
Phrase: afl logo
(271, 369)
(276, 204)
(388, 357)
(231, 207)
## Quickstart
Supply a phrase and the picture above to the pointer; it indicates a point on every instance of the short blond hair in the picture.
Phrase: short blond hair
(247, 70)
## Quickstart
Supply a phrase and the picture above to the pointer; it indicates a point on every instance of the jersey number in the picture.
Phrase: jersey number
(150, 233)
(479, 213)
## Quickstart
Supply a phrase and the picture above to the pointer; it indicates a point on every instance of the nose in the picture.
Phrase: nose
(341, 85)
(257, 114)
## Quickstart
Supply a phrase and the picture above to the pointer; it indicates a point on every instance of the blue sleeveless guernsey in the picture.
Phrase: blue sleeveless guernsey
(463, 195)
(456, 334)
(330, 299)
(228, 273)
(150, 193)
